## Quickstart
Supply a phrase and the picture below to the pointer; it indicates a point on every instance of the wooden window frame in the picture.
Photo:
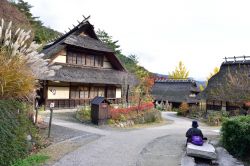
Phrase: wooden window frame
(80, 58)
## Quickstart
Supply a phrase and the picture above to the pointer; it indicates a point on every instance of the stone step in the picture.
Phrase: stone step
(206, 151)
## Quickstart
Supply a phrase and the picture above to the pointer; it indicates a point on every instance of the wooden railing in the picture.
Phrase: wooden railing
(72, 103)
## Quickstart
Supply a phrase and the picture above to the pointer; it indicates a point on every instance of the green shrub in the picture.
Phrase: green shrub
(83, 113)
(14, 128)
(33, 160)
(176, 110)
(152, 116)
(195, 112)
(235, 134)
(111, 121)
(122, 118)
(148, 117)
(215, 118)
(234, 112)
(159, 107)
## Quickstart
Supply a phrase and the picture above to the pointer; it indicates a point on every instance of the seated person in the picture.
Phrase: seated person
(194, 135)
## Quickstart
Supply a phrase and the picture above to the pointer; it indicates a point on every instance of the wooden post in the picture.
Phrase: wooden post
(127, 91)
(36, 114)
(51, 114)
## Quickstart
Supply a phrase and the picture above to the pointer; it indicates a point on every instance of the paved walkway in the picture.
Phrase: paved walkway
(150, 146)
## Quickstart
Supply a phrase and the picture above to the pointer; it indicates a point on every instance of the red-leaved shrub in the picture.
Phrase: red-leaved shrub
(115, 113)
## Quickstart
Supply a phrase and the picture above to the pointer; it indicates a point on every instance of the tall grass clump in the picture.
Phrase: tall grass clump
(21, 64)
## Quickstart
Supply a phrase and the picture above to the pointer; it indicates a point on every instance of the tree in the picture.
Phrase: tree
(133, 58)
(8, 12)
(25, 7)
(130, 62)
(180, 72)
(41, 33)
(104, 37)
(201, 88)
(141, 92)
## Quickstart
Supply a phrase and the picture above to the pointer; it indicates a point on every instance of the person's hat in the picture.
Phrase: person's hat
(195, 124)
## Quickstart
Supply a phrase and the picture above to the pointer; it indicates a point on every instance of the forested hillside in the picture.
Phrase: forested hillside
(8, 12)
(18, 11)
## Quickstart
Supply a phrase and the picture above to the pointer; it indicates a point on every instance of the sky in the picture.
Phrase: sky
(161, 32)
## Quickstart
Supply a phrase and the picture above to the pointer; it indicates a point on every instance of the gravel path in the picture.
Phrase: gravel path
(150, 146)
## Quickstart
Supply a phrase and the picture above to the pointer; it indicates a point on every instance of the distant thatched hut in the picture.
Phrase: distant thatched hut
(175, 92)
(229, 89)
(89, 69)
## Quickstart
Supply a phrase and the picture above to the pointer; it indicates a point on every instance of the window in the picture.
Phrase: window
(82, 59)
(101, 91)
(69, 58)
(84, 93)
(90, 60)
(111, 92)
(93, 92)
(97, 91)
(98, 61)
(73, 58)
(74, 93)
(76, 58)
(79, 59)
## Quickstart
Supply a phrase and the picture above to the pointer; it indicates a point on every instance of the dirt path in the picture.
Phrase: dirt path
(161, 145)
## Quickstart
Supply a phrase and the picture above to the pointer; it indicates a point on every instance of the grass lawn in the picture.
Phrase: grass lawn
(32, 160)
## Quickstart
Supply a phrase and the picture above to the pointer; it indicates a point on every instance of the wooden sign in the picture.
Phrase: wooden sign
(52, 105)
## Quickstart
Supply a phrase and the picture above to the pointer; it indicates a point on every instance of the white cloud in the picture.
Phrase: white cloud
(161, 33)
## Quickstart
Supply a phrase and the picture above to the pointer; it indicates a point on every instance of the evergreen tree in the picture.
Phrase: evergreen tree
(130, 62)
(42, 33)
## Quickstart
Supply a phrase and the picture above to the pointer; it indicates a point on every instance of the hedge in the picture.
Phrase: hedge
(14, 128)
(236, 135)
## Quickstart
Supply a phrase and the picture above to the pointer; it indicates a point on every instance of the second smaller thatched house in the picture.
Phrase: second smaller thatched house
(229, 89)
(175, 92)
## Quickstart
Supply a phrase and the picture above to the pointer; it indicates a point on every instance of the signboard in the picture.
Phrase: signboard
(52, 105)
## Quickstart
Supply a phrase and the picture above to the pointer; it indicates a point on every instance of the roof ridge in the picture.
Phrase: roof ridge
(65, 35)
(174, 80)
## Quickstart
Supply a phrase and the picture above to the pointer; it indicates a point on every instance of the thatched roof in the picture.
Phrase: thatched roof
(87, 42)
(231, 83)
(70, 73)
(175, 90)
(82, 37)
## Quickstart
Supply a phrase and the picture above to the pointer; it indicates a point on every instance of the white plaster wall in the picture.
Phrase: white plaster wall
(58, 92)
(106, 63)
(118, 93)
(60, 59)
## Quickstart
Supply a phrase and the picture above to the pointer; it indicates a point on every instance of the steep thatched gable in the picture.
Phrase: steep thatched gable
(84, 37)
(231, 83)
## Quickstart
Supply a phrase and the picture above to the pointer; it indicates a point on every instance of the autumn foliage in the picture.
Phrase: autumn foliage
(184, 107)
(16, 81)
(116, 112)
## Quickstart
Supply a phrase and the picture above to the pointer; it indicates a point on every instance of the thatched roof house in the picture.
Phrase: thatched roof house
(89, 68)
(230, 87)
(175, 91)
